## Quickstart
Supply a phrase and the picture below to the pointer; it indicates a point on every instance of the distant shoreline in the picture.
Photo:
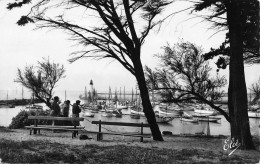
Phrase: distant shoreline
(29, 101)
(19, 101)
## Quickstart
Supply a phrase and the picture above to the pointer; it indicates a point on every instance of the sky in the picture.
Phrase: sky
(23, 45)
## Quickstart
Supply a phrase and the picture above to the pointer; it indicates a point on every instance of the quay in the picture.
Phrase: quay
(19, 101)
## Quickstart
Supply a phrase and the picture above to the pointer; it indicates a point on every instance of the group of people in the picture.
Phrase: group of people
(64, 109)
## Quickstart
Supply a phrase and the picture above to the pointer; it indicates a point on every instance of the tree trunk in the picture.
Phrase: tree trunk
(237, 92)
(148, 110)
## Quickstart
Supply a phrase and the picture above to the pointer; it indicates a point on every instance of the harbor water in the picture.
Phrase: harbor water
(176, 126)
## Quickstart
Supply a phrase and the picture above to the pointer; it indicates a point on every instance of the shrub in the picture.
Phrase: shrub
(21, 119)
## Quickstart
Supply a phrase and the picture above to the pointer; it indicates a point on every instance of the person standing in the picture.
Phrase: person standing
(76, 109)
(75, 113)
(55, 107)
(66, 108)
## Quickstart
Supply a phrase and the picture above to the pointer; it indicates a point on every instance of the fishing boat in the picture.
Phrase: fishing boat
(255, 114)
(121, 107)
(88, 114)
(163, 119)
(189, 119)
(186, 107)
(117, 113)
(253, 107)
(5, 105)
(204, 112)
(135, 116)
(107, 114)
(160, 112)
(208, 118)
(33, 106)
(136, 112)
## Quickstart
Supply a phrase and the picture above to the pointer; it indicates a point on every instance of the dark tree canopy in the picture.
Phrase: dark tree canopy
(108, 29)
(255, 88)
(41, 79)
(250, 25)
(184, 76)
(114, 29)
(242, 22)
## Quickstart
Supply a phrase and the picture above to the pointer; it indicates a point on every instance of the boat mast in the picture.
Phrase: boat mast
(139, 102)
(132, 96)
(136, 96)
(65, 95)
(109, 96)
(116, 97)
(124, 94)
(120, 94)
(22, 93)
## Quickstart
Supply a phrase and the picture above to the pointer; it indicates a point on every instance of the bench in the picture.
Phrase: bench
(36, 127)
(141, 134)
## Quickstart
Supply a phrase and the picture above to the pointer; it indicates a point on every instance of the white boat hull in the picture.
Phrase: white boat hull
(254, 114)
(107, 114)
(159, 112)
(136, 112)
(121, 107)
(189, 120)
(209, 119)
(204, 112)
(88, 114)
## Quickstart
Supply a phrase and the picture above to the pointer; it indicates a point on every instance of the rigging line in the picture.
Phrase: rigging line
(101, 127)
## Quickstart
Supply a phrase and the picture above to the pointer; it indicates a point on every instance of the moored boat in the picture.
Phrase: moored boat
(3, 105)
(254, 114)
(117, 113)
(135, 116)
(202, 112)
(121, 107)
(88, 114)
(107, 114)
(94, 111)
(189, 119)
(160, 112)
(137, 112)
(208, 118)
(163, 119)
(33, 106)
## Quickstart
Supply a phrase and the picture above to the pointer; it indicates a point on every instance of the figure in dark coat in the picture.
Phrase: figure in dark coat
(76, 109)
(66, 108)
(55, 107)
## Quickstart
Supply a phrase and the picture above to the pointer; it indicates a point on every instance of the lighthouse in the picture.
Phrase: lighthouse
(91, 90)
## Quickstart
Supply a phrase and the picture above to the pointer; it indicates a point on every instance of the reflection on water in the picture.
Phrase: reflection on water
(176, 126)
(6, 115)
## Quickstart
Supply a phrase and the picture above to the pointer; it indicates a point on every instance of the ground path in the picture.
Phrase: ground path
(214, 145)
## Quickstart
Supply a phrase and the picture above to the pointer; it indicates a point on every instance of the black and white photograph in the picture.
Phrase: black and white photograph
(130, 81)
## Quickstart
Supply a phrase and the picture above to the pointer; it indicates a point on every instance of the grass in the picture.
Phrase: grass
(47, 152)
(4, 129)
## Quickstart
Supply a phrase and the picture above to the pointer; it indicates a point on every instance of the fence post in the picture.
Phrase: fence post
(99, 135)
(35, 124)
(142, 139)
